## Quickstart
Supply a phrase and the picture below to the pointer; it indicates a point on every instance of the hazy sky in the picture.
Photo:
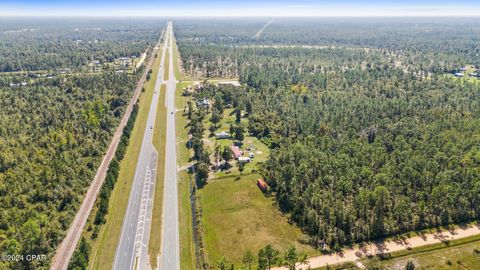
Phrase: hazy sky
(281, 8)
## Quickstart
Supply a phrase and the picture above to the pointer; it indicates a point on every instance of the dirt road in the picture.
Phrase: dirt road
(353, 254)
(65, 250)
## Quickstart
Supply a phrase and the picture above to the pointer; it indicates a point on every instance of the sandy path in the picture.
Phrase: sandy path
(65, 250)
(353, 254)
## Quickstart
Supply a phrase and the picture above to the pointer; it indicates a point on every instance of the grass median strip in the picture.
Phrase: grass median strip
(159, 139)
(166, 66)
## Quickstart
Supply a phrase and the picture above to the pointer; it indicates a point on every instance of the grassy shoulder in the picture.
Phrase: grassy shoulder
(104, 246)
(177, 62)
(159, 140)
(187, 246)
(456, 254)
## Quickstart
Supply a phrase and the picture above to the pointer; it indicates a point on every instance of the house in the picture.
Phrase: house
(458, 74)
(222, 135)
(243, 160)
(236, 152)
(203, 103)
(262, 185)
(473, 74)
(463, 69)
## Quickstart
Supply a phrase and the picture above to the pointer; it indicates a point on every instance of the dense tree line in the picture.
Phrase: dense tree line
(48, 44)
(53, 134)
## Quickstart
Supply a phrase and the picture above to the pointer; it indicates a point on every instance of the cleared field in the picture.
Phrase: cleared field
(103, 248)
(187, 248)
(159, 143)
(238, 217)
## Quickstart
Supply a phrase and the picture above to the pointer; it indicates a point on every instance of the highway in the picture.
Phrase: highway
(65, 250)
(170, 252)
(132, 248)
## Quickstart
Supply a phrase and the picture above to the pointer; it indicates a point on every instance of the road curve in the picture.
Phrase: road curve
(65, 250)
(132, 248)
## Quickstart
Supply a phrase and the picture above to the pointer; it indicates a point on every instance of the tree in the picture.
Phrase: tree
(291, 258)
(216, 117)
(224, 264)
(238, 115)
(267, 257)
(81, 256)
(227, 154)
(410, 266)
(247, 260)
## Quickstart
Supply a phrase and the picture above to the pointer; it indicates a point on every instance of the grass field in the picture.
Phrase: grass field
(238, 217)
(103, 249)
(159, 139)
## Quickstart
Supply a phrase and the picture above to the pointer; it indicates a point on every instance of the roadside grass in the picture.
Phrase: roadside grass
(177, 62)
(456, 254)
(159, 140)
(237, 217)
(187, 246)
(104, 246)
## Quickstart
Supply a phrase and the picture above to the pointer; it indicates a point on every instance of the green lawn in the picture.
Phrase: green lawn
(159, 139)
(103, 248)
(238, 217)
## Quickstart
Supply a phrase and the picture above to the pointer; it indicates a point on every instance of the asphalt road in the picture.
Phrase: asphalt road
(170, 253)
(132, 248)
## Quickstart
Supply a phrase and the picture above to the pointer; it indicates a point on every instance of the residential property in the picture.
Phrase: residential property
(203, 103)
(236, 152)
(458, 74)
(222, 135)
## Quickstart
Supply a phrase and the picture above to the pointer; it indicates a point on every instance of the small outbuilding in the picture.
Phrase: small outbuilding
(262, 185)
(243, 160)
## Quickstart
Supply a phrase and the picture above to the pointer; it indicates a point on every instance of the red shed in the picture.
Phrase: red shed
(262, 184)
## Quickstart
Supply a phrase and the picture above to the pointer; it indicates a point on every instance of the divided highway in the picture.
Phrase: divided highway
(170, 253)
(132, 248)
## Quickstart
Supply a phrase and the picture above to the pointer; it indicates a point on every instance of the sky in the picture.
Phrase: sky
(236, 8)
